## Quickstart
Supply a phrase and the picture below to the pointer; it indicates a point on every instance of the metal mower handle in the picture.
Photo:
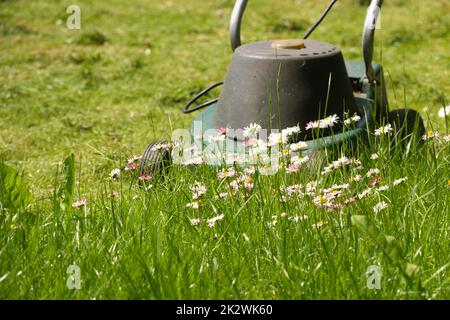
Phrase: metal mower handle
(368, 37)
(235, 23)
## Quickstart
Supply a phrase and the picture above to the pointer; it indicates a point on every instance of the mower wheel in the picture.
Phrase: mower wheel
(156, 158)
(406, 123)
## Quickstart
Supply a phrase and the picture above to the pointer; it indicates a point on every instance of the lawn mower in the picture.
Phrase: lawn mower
(290, 82)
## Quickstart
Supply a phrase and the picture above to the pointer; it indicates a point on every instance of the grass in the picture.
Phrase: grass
(105, 91)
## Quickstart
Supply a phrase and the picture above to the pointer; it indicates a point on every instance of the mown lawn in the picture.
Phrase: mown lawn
(105, 91)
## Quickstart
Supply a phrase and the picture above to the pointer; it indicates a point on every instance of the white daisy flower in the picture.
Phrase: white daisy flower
(227, 173)
(160, 146)
(249, 171)
(79, 203)
(312, 125)
(115, 174)
(298, 146)
(318, 225)
(372, 172)
(329, 121)
(252, 130)
(383, 188)
(293, 168)
(217, 138)
(275, 139)
(211, 222)
(385, 130)
(197, 190)
(134, 159)
(234, 158)
(311, 187)
(196, 221)
(193, 161)
(374, 156)
(288, 132)
(355, 118)
(364, 193)
(193, 205)
(380, 206)
(299, 160)
(298, 218)
(401, 180)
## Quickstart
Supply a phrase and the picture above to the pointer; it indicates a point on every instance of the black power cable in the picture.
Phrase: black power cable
(324, 14)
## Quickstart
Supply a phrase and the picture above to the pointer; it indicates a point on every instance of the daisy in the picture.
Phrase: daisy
(193, 161)
(131, 166)
(312, 125)
(161, 146)
(193, 205)
(385, 130)
(321, 201)
(217, 138)
(329, 121)
(275, 139)
(340, 186)
(211, 222)
(115, 194)
(311, 187)
(372, 172)
(291, 191)
(327, 170)
(288, 132)
(299, 160)
(374, 156)
(197, 190)
(234, 158)
(252, 130)
(222, 195)
(343, 161)
(380, 206)
(249, 171)
(293, 168)
(298, 146)
(79, 203)
(284, 153)
(318, 225)
(115, 174)
(252, 142)
(145, 177)
(399, 181)
(383, 188)
(134, 159)
(429, 135)
(350, 200)
(227, 173)
(234, 186)
(298, 218)
(196, 221)
(355, 118)
(365, 193)
(374, 182)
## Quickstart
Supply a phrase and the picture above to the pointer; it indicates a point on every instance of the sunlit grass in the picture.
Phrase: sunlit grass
(62, 93)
